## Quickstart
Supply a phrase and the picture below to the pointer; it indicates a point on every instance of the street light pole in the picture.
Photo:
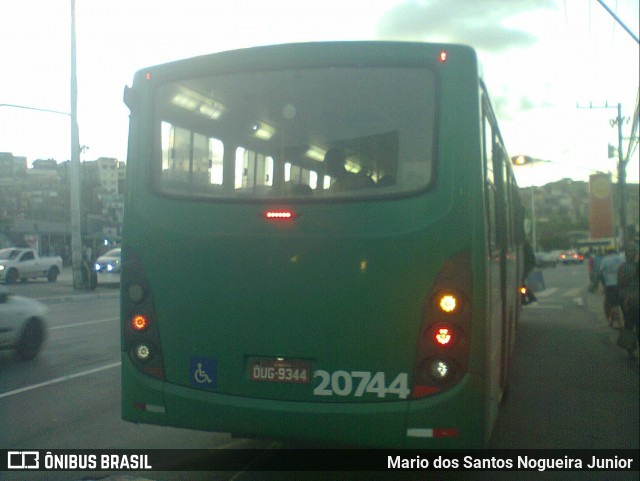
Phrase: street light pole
(622, 179)
(534, 241)
(76, 241)
(524, 160)
(76, 235)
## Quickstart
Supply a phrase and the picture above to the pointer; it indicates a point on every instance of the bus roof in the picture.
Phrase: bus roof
(310, 54)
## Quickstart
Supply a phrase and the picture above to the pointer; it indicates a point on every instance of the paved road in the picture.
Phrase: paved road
(571, 386)
(62, 290)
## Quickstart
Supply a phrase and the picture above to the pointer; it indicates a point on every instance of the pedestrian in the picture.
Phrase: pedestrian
(595, 273)
(629, 287)
(609, 271)
(529, 263)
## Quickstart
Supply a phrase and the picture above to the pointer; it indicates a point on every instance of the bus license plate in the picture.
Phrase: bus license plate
(295, 371)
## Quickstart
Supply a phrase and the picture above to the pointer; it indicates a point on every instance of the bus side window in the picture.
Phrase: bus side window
(191, 161)
(254, 171)
(216, 150)
(299, 181)
(491, 200)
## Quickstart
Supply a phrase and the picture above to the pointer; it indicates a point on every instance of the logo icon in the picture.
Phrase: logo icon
(23, 460)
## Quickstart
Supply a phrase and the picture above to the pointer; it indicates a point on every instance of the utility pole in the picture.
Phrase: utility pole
(622, 162)
(622, 177)
(76, 241)
(622, 165)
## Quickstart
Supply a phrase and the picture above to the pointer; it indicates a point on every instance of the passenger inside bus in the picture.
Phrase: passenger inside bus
(293, 189)
(334, 161)
(386, 181)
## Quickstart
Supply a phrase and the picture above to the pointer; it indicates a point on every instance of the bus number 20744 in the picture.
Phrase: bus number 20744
(359, 383)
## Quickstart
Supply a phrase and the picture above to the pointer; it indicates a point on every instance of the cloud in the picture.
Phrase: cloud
(526, 104)
(472, 22)
(506, 106)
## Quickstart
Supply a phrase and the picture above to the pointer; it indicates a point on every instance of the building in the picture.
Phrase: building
(562, 212)
(35, 203)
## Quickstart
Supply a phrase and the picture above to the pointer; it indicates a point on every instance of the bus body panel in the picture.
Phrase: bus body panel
(376, 425)
(280, 293)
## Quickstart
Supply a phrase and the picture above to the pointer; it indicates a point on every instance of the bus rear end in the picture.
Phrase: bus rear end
(270, 290)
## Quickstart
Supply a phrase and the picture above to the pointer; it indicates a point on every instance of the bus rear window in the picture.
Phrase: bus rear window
(311, 133)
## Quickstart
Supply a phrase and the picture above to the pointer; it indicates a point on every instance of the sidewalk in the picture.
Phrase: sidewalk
(62, 290)
(594, 302)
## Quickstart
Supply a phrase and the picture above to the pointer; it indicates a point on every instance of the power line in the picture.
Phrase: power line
(620, 22)
(25, 107)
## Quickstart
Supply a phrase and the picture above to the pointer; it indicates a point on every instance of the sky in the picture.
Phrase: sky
(545, 62)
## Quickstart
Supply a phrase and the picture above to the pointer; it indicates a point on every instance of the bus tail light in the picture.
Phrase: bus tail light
(443, 349)
(279, 214)
(141, 339)
(139, 322)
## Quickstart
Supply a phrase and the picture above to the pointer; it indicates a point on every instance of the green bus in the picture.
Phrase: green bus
(321, 243)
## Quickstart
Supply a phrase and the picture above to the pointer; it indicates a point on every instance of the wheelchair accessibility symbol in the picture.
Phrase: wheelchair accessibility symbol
(204, 372)
(201, 376)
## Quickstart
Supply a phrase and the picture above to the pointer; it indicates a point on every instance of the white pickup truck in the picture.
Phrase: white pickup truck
(22, 263)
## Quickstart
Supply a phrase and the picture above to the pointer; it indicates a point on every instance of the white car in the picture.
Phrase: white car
(22, 263)
(23, 325)
(108, 267)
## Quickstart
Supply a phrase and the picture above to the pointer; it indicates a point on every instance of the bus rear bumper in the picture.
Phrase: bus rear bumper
(445, 421)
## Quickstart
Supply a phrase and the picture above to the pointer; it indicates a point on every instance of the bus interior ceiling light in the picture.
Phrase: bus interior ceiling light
(194, 102)
(316, 153)
(263, 131)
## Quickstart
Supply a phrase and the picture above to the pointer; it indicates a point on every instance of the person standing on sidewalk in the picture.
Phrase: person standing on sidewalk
(609, 271)
(629, 287)
(595, 273)
(529, 264)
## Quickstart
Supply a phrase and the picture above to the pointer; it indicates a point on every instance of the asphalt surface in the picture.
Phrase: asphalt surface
(62, 290)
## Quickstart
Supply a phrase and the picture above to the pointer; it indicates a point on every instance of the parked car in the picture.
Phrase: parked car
(571, 257)
(18, 263)
(546, 259)
(108, 267)
(23, 324)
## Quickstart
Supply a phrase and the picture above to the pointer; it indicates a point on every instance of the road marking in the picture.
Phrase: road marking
(536, 305)
(88, 323)
(59, 379)
(546, 292)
